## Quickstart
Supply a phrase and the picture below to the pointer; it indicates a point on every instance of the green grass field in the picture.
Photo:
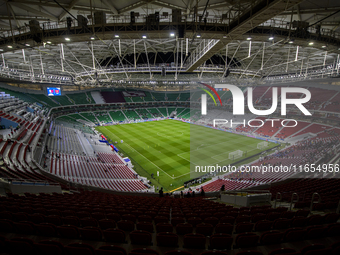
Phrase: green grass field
(174, 148)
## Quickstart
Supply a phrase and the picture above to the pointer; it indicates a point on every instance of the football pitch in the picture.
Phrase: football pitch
(173, 148)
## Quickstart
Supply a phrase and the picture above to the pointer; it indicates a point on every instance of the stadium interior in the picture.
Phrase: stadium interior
(105, 146)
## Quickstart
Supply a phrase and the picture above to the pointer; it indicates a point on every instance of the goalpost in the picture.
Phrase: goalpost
(262, 145)
(235, 154)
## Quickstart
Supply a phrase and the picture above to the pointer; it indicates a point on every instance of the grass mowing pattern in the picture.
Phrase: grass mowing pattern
(172, 147)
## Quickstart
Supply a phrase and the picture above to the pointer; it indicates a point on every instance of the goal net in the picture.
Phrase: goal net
(262, 145)
(235, 154)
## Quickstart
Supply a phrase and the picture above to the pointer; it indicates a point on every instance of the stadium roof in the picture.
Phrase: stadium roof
(102, 42)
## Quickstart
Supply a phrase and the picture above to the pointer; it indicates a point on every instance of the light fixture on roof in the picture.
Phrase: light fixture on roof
(10, 46)
(323, 46)
(116, 36)
(198, 36)
(172, 34)
(92, 38)
(49, 42)
(310, 43)
(271, 38)
(249, 38)
(67, 39)
(291, 41)
(27, 44)
(144, 36)
(1, 49)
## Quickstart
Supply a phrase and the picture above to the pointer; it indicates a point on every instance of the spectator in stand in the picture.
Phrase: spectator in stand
(161, 192)
(202, 192)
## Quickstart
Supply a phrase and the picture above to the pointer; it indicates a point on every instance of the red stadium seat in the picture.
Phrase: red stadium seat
(224, 228)
(221, 241)
(126, 225)
(244, 227)
(143, 251)
(46, 229)
(114, 235)
(111, 250)
(178, 252)
(196, 241)
(146, 226)
(49, 247)
(282, 223)
(282, 251)
(271, 237)
(184, 228)
(141, 237)
(68, 231)
(91, 233)
(79, 249)
(164, 227)
(19, 246)
(294, 234)
(177, 220)
(167, 239)
(106, 223)
(205, 229)
(246, 240)
(263, 225)
(315, 232)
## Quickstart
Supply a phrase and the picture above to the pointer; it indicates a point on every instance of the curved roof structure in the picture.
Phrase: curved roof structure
(94, 43)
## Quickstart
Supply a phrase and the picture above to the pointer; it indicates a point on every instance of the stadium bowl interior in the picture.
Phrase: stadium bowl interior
(170, 127)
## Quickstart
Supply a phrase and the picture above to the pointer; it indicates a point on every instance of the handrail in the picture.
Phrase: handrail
(276, 199)
(312, 202)
(292, 200)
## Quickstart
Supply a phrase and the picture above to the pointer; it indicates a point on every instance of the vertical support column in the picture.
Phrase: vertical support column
(62, 56)
(4, 63)
(249, 53)
(187, 47)
(226, 56)
(41, 63)
(181, 53)
(134, 53)
(119, 48)
(264, 46)
(93, 61)
(324, 59)
(297, 53)
(287, 60)
(23, 54)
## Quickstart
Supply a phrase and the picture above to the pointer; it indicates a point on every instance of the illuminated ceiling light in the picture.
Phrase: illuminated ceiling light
(198, 36)
(172, 34)
(271, 38)
(144, 36)
(248, 38)
(311, 43)
(10, 46)
(92, 38)
(323, 46)
(49, 42)
(117, 36)
(27, 44)
(67, 39)
(1, 50)
(291, 41)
